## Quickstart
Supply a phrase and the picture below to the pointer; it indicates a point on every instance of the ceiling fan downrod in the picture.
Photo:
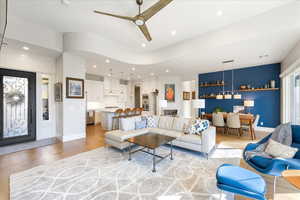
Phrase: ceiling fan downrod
(139, 3)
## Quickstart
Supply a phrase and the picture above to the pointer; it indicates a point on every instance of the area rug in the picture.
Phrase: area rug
(106, 174)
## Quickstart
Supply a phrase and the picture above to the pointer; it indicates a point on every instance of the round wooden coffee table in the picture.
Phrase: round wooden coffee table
(293, 177)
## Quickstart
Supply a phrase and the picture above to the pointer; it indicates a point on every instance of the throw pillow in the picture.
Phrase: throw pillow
(198, 127)
(152, 121)
(276, 149)
(140, 124)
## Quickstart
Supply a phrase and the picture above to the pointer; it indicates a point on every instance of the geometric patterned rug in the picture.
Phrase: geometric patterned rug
(106, 174)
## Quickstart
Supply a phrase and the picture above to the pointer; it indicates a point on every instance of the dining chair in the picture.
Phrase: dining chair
(218, 121)
(246, 127)
(116, 118)
(234, 123)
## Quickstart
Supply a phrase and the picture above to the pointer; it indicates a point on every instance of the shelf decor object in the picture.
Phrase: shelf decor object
(221, 96)
(258, 89)
(249, 104)
(186, 96)
(213, 85)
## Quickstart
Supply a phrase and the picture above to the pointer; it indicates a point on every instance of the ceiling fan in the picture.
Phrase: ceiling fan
(142, 17)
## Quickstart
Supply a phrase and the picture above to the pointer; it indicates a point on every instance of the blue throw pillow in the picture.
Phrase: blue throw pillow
(198, 127)
(140, 124)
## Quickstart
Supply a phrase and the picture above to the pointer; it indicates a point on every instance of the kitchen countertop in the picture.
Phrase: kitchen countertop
(109, 110)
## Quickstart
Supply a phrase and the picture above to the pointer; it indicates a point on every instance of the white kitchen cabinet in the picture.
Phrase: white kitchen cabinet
(94, 91)
(111, 86)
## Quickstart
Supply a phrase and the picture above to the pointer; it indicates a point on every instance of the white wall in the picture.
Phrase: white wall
(291, 61)
(150, 84)
(25, 31)
(11, 58)
(72, 111)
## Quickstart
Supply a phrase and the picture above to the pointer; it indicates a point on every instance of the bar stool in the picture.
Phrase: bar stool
(116, 118)
(128, 112)
(139, 111)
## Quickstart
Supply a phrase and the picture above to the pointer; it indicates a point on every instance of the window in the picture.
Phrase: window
(291, 97)
(45, 98)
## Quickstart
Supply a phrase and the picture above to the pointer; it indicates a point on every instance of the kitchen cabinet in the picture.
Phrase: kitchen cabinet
(94, 91)
(111, 86)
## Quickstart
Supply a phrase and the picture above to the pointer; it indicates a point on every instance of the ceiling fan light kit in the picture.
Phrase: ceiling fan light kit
(142, 17)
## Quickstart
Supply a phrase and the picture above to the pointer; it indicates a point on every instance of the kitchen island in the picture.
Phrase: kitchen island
(106, 116)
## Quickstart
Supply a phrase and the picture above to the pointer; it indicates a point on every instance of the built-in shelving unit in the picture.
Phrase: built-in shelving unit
(258, 90)
(213, 85)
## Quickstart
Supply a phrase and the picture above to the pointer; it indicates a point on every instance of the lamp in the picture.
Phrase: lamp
(249, 103)
(199, 104)
(163, 103)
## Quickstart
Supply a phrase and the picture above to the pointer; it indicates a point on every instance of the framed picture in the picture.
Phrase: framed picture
(186, 96)
(170, 92)
(58, 92)
(194, 95)
(75, 88)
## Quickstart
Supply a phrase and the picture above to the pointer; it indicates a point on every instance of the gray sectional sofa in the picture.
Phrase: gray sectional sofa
(171, 126)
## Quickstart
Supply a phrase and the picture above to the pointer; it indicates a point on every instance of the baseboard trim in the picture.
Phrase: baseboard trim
(265, 129)
(72, 137)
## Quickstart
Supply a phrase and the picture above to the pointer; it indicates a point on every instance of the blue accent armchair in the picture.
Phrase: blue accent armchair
(275, 166)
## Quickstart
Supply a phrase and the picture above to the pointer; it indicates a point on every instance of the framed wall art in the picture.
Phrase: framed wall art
(75, 88)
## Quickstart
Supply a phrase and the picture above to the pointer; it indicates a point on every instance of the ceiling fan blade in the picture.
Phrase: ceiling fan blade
(147, 14)
(145, 31)
(117, 16)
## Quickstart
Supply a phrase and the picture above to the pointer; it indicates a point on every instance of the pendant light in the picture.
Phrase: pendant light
(221, 96)
(237, 95)
(229, 96)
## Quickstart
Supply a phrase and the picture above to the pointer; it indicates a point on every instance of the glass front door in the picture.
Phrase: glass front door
(17, 106)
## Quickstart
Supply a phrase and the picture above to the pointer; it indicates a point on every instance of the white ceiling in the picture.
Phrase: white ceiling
(193, 20)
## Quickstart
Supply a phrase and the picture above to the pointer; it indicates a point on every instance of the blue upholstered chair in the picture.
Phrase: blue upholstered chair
(240, 181)
(275, 166)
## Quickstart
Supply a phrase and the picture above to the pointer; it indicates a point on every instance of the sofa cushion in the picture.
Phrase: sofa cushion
(296, 145)
(121, 136)
(165, 122)
(189, 138)
(167, 132)
(181, 124)
(152, 121)
(128, 123)
(141, 124)
(277, 149)
(198, 127)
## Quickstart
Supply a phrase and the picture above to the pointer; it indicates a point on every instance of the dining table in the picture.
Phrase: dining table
(246, 119)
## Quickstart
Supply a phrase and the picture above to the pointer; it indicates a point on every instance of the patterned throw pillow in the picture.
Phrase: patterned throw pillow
(198, 127)
(152, 121)
(140, 124)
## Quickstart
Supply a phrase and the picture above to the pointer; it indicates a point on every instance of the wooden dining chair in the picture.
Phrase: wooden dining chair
(246, 127)
(218, 121)
(234, 123)
(116, 119)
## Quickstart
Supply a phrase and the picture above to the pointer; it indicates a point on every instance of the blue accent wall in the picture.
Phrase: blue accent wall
(266, 103)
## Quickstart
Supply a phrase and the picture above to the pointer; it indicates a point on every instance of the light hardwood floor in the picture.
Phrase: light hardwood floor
(19, 161)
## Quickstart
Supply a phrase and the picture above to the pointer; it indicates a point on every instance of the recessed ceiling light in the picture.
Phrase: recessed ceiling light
(133, 69)
(143, 45)
(95, 66)
(152, 74)
(22, 55)
(167, 70)
(109, 74)
(220, 13)
(107, 61)
(26, 48)
(173, 33)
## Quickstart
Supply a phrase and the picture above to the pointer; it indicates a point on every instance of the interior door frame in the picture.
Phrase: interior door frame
(31, 76)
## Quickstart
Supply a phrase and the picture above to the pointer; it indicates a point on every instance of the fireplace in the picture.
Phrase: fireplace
(172, 112)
